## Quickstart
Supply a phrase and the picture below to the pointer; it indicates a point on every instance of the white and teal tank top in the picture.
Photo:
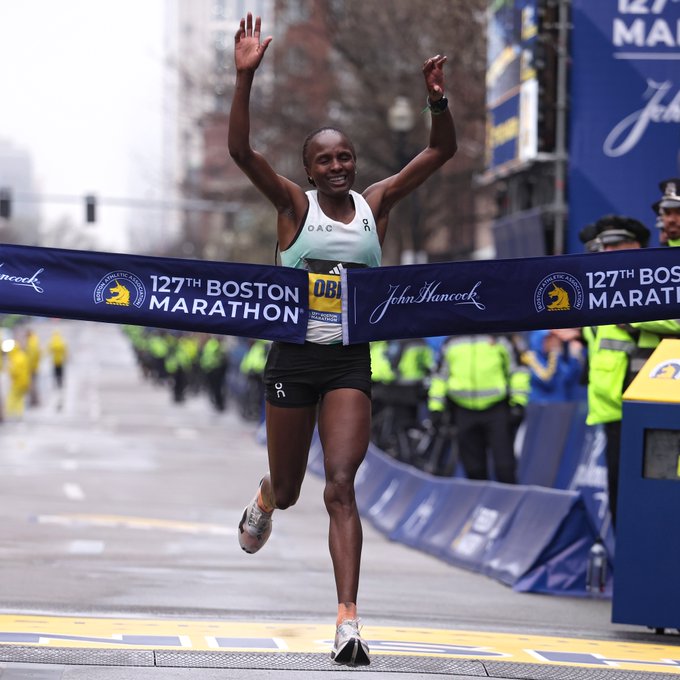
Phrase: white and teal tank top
(324, 247)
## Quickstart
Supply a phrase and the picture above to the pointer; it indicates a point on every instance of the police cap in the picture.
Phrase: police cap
(588, 236)
(670, 188)
(614, 229)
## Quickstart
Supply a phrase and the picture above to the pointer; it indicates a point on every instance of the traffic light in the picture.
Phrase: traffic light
(5, 203)
(90, 209)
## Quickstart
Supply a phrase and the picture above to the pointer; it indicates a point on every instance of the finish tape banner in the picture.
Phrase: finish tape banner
(491, 296)
(213, 297)
(411, 301)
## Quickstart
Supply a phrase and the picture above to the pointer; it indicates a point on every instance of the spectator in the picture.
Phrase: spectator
(555, 365)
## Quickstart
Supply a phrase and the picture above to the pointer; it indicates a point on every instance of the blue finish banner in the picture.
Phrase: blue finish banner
(214, 297)
(270, 302)
(459, 298)
(624, 108)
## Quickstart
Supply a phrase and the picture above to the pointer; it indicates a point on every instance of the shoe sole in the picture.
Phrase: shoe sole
(354, 653)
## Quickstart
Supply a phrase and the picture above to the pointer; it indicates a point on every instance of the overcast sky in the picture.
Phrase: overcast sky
(82, 90)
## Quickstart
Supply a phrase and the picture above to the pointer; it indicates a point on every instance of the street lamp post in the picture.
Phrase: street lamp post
(401, 119)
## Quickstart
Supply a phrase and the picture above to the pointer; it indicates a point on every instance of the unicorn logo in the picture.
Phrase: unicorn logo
(668, 370)
(560, 299)
(120, 289)
(558, 292)
(121, 295)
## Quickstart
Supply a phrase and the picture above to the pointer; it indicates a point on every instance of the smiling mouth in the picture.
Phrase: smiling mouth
(340, 179)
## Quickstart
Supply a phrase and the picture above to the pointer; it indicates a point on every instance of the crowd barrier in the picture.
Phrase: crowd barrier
(534, 536)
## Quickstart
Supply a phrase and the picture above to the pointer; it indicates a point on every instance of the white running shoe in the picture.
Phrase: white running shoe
(350, 648)
(255, 527)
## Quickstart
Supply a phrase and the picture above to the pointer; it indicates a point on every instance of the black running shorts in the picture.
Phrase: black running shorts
(299, 375)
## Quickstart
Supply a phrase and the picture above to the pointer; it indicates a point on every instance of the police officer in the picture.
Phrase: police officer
(19, 370)
(658, 223)
(159, 348)
(476, 375)
(669, 210)
(34, 354)
(399, 370)
(382, 378)
(252, 369)
(651, 333)
(610, 348)
(214, 363)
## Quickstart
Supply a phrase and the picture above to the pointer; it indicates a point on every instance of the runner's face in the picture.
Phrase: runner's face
(671, 222)
(332, 165)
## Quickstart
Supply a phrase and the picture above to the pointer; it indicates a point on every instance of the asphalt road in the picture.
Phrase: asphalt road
(116, 503)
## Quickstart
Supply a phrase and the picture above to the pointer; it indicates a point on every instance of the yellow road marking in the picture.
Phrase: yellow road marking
(276, 637)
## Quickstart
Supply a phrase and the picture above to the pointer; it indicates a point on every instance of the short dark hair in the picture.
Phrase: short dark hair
(318, 131)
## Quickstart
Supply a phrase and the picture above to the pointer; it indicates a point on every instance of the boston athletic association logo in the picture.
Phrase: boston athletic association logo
(558, 292)
(120, 289)
(666, 370)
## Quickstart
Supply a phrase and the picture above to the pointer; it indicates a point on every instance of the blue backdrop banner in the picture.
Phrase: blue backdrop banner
(624, 108)
(511, 84)
(228, 298)
(457, 298)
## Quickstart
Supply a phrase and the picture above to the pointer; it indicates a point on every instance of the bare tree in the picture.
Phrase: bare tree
(364, 53)
(343, 62)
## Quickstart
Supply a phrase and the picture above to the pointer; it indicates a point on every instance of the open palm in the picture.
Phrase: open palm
(248, 50)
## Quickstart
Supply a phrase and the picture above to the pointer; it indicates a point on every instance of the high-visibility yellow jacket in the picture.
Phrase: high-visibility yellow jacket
(57, 349)
(475, 372)
(609, 351)
(416, 360)
(19, 370)
(33, 351)
(255, 358)
(381, 367)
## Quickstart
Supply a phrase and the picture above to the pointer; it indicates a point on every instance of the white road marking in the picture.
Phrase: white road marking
(186, 433)
(83, 547)
(73, 492)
